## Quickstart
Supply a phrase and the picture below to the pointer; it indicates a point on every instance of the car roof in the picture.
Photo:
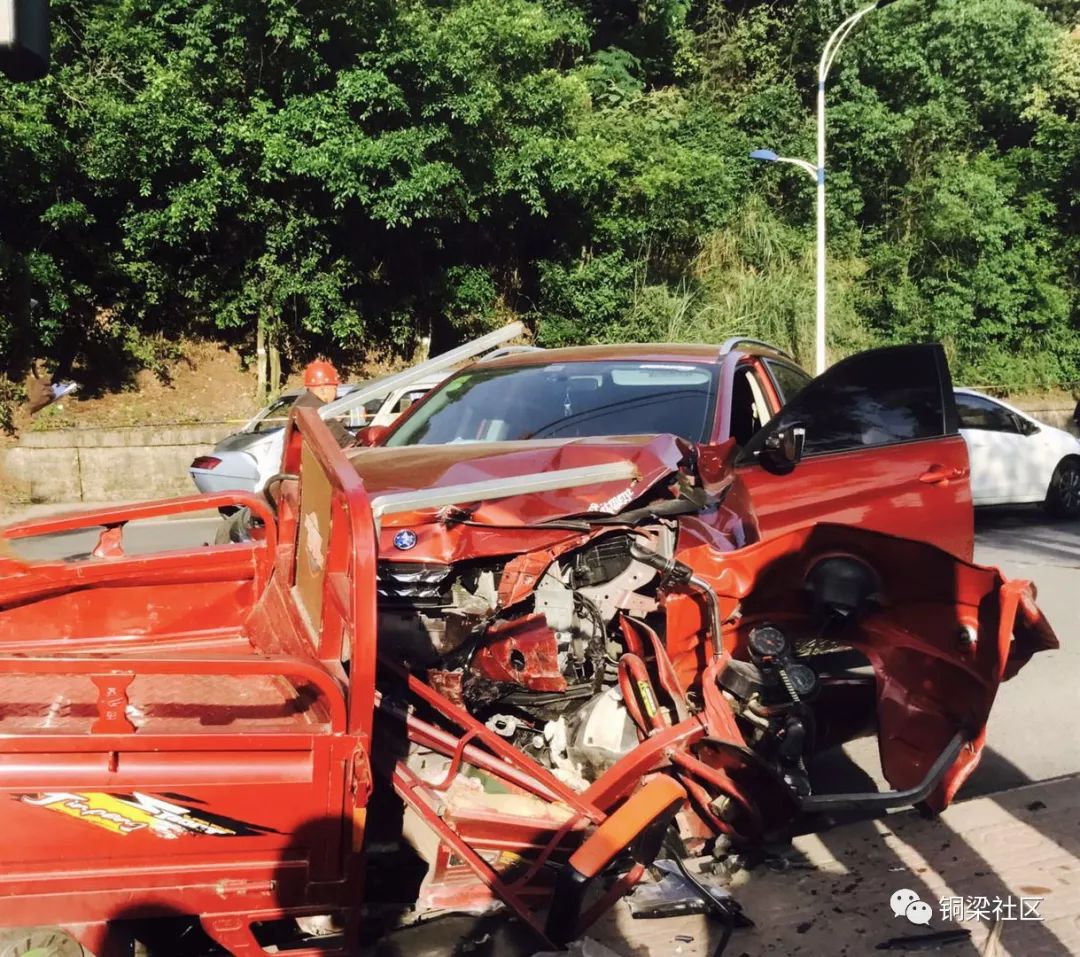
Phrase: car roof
(651, 352)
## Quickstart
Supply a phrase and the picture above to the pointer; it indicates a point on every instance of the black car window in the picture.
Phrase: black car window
(875, 398)
(744, 415)
(978, 413)
(788, 380)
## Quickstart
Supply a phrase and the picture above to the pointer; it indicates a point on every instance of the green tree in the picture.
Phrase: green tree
(343, 176)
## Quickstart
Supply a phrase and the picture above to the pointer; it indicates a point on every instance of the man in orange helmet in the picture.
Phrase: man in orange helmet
(321, 381)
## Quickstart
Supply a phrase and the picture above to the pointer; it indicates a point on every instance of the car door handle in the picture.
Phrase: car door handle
(941, 475)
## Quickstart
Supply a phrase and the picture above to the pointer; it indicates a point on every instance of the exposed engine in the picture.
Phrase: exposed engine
(546, 677)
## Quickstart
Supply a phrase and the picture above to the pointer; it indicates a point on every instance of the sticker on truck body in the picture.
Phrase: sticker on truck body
(126, 813)
(614, 504)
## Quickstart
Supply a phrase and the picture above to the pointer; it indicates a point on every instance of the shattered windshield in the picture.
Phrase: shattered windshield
(565, 400)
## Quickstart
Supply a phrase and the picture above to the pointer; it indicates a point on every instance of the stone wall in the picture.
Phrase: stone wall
(1059, 418)
(107, 465)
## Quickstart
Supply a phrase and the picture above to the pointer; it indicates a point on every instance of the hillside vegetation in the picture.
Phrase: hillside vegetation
(351, 176)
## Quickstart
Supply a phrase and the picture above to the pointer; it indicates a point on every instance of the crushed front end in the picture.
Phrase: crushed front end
(578, 667)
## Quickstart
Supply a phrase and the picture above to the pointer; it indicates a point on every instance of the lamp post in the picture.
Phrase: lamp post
(828, 54)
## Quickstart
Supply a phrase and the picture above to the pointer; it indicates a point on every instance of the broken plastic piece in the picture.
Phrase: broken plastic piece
(925, 941)
(674, 896)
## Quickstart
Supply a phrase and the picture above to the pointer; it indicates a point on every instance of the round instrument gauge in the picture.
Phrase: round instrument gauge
(802, 679)
(768, 641)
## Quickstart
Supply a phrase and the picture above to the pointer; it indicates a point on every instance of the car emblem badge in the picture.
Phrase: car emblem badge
(405, 539)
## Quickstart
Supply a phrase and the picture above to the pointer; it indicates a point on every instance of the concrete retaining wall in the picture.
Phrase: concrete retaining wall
(108, 465)
(1059, 418)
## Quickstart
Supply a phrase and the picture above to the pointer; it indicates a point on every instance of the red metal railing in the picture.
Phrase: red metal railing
(113, 675)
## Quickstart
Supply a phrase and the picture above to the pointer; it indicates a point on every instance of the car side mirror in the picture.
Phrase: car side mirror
(371, 434)
(783, 449)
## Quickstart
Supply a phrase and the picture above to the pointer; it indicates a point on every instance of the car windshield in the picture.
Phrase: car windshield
(566, 400)
(275, 415)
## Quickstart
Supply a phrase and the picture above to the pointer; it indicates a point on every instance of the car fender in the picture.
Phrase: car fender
(267, 458)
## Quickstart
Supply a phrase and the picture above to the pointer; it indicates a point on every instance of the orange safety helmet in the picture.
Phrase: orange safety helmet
(320, 372)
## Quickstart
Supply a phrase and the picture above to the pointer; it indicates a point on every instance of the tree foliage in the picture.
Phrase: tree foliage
(353, 175)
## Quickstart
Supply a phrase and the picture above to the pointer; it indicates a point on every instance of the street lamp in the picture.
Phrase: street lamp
(818, 172)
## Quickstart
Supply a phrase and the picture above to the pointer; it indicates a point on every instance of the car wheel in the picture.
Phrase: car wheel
(40, 942)
(1063, 496)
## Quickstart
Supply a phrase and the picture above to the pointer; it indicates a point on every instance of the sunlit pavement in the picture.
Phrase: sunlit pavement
(1031, 735)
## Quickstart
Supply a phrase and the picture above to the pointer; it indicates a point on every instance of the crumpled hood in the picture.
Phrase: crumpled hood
(387, 470)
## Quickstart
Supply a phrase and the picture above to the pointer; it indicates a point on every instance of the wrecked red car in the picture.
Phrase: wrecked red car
(575, 607)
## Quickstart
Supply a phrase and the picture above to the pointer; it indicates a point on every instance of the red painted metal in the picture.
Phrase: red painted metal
(878, 489)
(639, 696)
(410, 787)
(522, 651)
(499, 746)
(669, 679)
(445, 742)
(652, 754)
(719, 780)
(175, 740)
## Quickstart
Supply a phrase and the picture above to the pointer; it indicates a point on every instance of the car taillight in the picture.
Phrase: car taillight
(206, 462)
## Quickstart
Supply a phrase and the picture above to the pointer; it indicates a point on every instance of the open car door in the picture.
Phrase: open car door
(872, 442)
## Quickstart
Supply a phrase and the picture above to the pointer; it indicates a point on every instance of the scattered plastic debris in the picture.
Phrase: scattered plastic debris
(674, 896)
(932, 941)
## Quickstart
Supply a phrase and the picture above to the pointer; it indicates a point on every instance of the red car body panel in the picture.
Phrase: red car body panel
(943, 637)
(150, 704)
(386, 471)
(895, 489)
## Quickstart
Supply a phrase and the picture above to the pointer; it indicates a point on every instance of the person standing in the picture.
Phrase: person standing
(321, 381)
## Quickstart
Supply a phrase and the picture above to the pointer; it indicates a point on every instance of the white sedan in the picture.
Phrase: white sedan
(1016, 459)
(245, 460)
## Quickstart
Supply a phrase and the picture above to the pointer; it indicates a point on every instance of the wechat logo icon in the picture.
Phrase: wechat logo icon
(905, 903)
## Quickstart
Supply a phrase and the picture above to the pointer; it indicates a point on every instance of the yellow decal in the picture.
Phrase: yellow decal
(508, 862)
(95, 808)
(127, 813)
(647, 698)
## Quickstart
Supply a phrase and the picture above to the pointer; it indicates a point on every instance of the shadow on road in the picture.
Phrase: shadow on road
(1027, 534)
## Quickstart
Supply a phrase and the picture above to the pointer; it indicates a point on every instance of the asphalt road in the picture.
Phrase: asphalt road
(1032, 728)
(1031, 733)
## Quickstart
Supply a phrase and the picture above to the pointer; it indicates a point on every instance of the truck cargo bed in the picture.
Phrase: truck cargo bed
(161, 704)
